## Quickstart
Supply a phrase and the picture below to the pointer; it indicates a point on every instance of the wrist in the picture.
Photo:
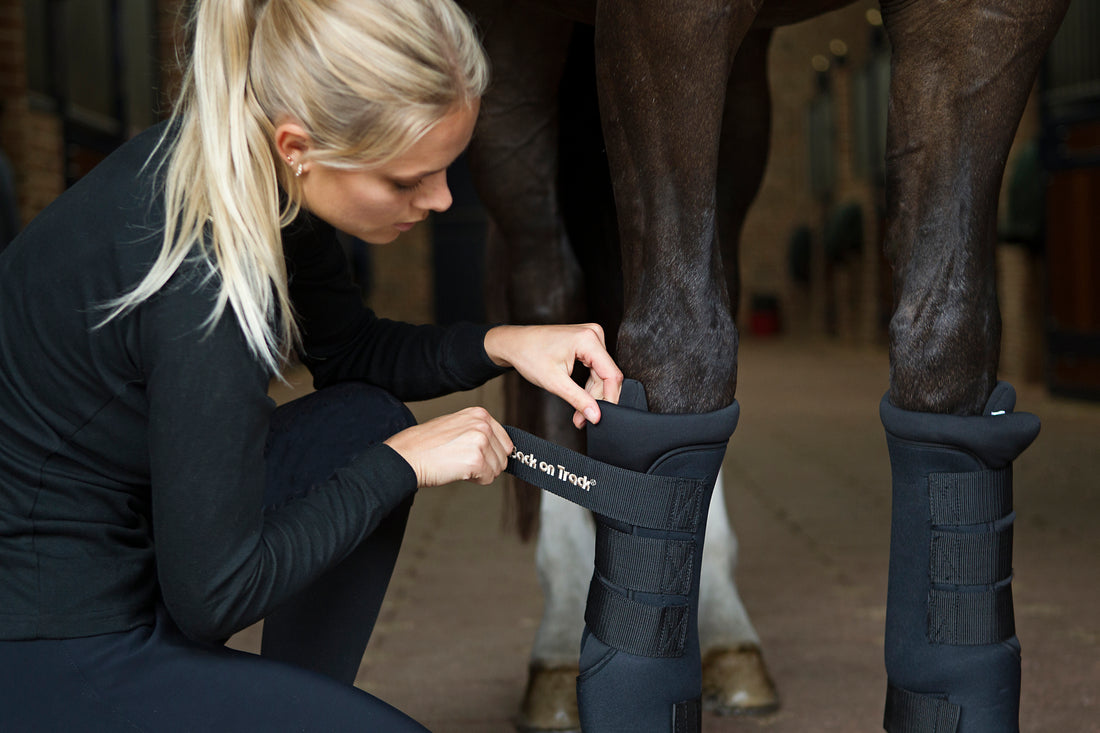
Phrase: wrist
(496, 344)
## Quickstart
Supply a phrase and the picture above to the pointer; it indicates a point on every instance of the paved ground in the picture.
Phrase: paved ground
(808, 490)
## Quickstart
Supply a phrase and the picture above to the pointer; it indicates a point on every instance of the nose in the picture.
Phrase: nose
(436, 194)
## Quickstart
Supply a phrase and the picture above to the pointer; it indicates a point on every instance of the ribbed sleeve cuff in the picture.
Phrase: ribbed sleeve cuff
(388, 477)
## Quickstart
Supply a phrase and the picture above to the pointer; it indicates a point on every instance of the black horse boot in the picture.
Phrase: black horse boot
(640, 662)
(952, 657)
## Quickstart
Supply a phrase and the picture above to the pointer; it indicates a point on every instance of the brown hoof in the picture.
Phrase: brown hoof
(736, 682)
(550, 703)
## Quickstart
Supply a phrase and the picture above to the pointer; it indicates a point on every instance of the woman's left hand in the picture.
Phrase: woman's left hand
(545, 356)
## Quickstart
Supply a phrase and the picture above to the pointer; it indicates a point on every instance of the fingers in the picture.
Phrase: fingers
(605, 378)
(600, 363)
(546, 356)
(468, 445)
(492, 442)
(502, 438)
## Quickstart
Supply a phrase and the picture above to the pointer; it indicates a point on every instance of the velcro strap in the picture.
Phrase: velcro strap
(635, 627)
(909, 712)
(687, 716)
(644, 500)
(964, 618)
(972, 497)
(646, 564)
(971, 558)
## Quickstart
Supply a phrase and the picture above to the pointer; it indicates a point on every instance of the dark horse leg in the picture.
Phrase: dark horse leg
(735, 677)
(743, 154)
(962, 72)
(662, 72)
(662, 75)
(535, 279)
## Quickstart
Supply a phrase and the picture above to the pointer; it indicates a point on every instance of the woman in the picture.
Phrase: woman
(152, 501)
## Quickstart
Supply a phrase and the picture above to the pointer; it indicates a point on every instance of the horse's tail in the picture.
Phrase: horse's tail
(539, 413)
(521, 508)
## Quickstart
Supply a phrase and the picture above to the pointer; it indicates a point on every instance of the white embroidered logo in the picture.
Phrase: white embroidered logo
(554, 469)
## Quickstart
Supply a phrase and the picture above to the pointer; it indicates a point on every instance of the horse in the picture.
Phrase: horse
(684, 115)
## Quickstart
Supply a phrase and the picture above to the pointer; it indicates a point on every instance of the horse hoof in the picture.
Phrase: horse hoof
(550, 703)
(736, 682)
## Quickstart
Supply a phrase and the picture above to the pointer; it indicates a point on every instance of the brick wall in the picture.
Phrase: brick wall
(31, 137)
(171, 16)
(30, 129)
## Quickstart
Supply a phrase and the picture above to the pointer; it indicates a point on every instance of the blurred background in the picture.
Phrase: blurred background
(807, 475)
(79, 77)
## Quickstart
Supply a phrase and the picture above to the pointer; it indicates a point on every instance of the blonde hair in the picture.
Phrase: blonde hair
(365, 78)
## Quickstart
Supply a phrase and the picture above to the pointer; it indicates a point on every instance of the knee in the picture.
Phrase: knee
(346, 417)
(367, 411)
(312, 436)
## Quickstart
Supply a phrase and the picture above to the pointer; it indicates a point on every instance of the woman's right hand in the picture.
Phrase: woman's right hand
(468, 445)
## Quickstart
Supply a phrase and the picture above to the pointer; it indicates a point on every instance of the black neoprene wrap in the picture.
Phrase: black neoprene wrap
(952, 657)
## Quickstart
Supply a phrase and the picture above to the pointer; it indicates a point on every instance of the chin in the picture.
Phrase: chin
(379, 237)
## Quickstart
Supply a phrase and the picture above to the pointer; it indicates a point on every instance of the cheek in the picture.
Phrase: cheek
(374, 203)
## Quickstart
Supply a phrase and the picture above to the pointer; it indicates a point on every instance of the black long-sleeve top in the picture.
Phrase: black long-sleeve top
(131, 453)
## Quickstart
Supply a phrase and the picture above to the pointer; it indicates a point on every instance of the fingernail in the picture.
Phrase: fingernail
(592, 414)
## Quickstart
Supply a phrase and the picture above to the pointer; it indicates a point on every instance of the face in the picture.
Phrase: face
(378, 204)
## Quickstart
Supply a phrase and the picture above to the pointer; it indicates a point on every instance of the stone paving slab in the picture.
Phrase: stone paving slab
(807, 481)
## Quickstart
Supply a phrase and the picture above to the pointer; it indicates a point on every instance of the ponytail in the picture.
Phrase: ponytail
(365, 78)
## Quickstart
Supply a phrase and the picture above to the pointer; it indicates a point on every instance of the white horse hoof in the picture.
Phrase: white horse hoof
(550, 703)
(736, 682)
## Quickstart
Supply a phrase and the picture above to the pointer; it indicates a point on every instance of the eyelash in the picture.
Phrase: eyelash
(405, 186)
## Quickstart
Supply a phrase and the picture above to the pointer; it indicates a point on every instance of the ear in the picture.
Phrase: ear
(292, 141)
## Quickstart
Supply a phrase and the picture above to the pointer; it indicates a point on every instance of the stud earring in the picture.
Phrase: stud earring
(298, 172)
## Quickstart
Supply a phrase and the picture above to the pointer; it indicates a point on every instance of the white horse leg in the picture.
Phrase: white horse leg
(735, 679)
(723, 620)
(564, 557)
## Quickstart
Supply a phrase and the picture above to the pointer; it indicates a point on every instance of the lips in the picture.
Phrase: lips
(407, 225)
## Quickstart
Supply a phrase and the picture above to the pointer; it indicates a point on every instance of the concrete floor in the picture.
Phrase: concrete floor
(807, 480)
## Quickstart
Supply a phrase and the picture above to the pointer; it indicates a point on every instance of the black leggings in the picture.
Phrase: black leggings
(154, 679)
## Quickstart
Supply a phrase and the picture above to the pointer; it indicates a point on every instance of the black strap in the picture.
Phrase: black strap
(971, 618)
(645, 564)
(640, 499)
(972, 497)
(687, 716)
(971, 558)
(635, 627)
(909, 712)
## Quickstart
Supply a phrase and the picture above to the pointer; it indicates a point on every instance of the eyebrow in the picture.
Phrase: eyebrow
(422, 174)
(425, 174)
(418, 176)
